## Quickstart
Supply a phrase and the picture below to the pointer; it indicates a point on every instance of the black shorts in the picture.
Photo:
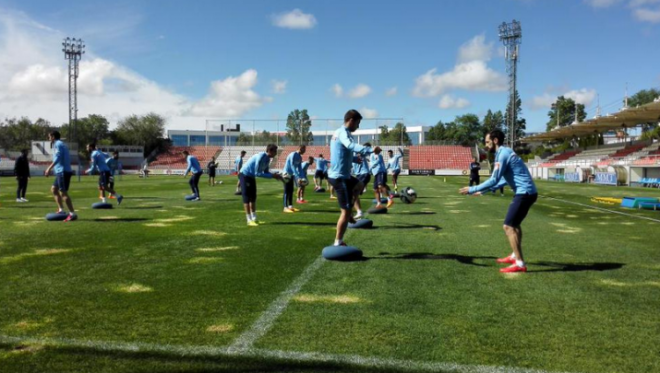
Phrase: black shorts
(62, 181)
(396, 172)
(380, 180)
(364, 179)
(319, 174)
(344, 189)
(104, 179)
(248, 188)
(519, 208)
(211, 173)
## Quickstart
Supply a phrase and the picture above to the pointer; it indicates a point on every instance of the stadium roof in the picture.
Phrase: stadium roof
(626, 118)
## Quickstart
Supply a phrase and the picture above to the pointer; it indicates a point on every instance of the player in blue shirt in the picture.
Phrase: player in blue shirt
(292, 167)
(113, 165)
(238, 164)
(394, 166)
(302, 180)
(196, 173)
(256, 166)
(379, 170)
(61, 166)
(321, 171)
(347, 187)
(361, 172)
(509, 169)
(105, 174)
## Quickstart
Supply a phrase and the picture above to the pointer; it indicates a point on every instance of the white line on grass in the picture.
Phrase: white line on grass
(602, 209)
(266, 320)
(300, 357)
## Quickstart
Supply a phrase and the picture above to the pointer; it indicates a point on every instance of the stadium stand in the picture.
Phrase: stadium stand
(427, 157)
(173, 159)
(228, 155)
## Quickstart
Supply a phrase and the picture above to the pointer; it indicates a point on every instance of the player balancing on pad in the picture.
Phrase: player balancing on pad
(509, 169)
(256, 166)
(61, 166)
(99, 162)
(342, 147)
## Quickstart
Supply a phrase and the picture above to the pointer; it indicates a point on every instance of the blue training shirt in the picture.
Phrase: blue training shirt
(342, 147)
(238, 163)
(377, 165)
(321, 164)
(509, 169)
(361, 168)
(193, 165)
(304, 166)
(113, 164)
(99, 162)
(292, 165)
(393, 163)
(257, 165)
(61, 157)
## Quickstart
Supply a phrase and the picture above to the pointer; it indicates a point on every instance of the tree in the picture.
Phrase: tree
(17, 134)
(566, 115)
(521, 123)
(297, 127)
(147, 131)
(644, 97)
(492, 121)
(468, 129)
(91, 129)
(259, 138)
(394, 136)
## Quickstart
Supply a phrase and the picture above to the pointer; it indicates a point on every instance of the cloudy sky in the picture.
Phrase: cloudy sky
(423, 61)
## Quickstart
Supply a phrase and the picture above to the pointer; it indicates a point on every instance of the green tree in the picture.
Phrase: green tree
(17, 134)
(468, 129)
(91, 129)
(394, 136)
(147, 130)
(644, 97)
(436, 133)
(298, 126)
(521, 123)
(562, 113)
(492, 121)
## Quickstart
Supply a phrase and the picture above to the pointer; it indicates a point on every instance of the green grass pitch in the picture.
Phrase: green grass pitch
(160, 284)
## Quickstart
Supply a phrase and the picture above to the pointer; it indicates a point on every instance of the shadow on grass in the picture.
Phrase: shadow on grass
(142, 208)
(121, 220)
(303, 223)
(146, 198)
(570, 267)
(410, 226)
(171, 362)
(416, 213)
(463, 259)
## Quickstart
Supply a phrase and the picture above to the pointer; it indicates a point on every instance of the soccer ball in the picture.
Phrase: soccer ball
(408, 195)
(286, 177)
(303, 182)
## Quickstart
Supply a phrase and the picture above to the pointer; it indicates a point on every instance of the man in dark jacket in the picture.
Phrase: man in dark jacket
(22, 171)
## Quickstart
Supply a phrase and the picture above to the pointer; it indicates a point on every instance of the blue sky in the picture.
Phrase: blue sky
(423, 61)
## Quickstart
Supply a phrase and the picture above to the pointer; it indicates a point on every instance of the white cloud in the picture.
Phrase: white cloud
(294, 19)
(581, 96)
(391, 92)
(602, 3)
(647, 15)
(34, 82)
(361, 90)
(369, 113)
(279, 86)
(469, 76)
(638, 3)
(475, 50)
(231, 97)
(337, 90)
(449, 102)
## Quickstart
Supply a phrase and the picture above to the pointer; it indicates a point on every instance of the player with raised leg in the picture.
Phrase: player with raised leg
(61, 165)
(256, 166)
(99, 163)
(302, 180)
(394, 166)
(379, 171)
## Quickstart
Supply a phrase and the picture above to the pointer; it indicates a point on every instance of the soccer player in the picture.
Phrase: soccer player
(196, 173)
(99, 162)
(361, 172)
(211, 166)
(22, 172)
(113, 165)
(509, 169)
(61, 165)
(321, 171)
(303, 181)
(342, 148)
(394, 166)
(292, 166)
(238, 164)
(256, 166)
(379, 171)
(474, 172)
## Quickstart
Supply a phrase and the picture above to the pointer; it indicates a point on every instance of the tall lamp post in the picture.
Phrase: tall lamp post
(510, 35)
(73, 50)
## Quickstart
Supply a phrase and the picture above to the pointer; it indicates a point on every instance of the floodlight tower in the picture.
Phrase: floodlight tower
(73, 51)
(510, 35)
